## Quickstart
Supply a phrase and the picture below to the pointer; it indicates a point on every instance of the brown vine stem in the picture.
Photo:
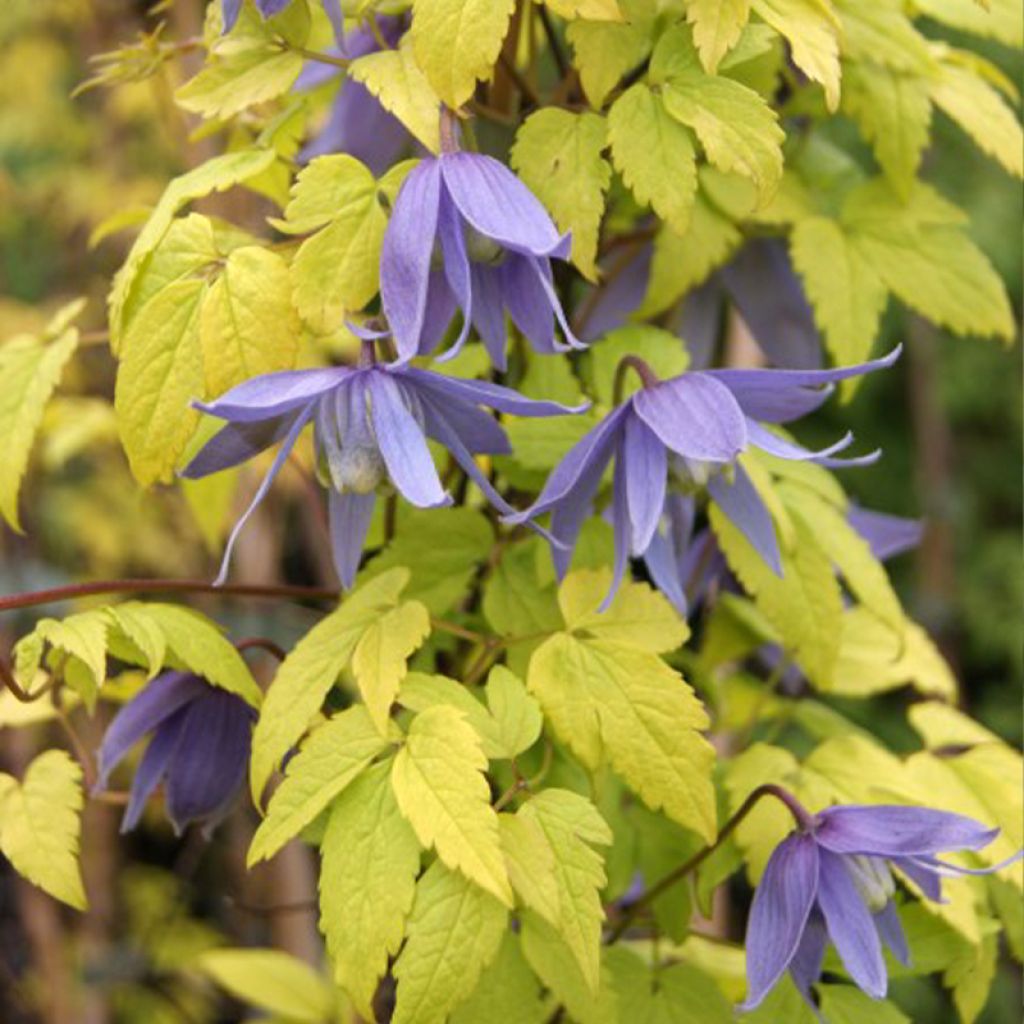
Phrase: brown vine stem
(261, 643)
(803, 819)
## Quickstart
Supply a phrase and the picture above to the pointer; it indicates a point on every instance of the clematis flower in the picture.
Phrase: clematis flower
(200, 737)
(370, 428)
(357, 123)
(831, 879)
(685, 435)
(466, 232)
(230, 9)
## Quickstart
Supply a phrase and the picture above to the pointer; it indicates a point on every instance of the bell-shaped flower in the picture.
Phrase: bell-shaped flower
(230, 10)
(200, 736)
(831, 879)
(370, 427)
(466, 232)
(685, 435)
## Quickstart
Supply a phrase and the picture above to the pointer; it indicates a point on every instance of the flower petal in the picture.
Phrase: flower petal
(273, 394)
(489, 313)
(457, 269)
(542, 273)
(236, 443)
(438, 314)
(897, 831)
(500, 206)
(694, 415)
(622, 289)
(350, 516)
(645, 468)
(230, 9)
(887, 535)
(746, 511)
(663, 565)
(779, 914)
(805, 967)
(406, 255)
(403, 445)
(887, 921)
(477, 431)
(851, 925)
(621, 527)
(926, 878)
(783, 449)
(332, 8)
(153, 767)
(153, 704)
(527, 302)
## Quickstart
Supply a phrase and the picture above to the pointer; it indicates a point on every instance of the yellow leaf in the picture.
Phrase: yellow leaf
(593, 10)
(717, 25)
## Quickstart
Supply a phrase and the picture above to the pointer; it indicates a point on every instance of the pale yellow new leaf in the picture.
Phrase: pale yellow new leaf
(717, 25)
(604, 51)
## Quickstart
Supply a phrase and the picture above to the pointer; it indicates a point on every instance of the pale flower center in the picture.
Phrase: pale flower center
(872, 880)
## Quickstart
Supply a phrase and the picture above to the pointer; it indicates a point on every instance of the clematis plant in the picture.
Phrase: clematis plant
(832, 879)
(231, 9)
(371, 423)
(200, 736)
(685, 435)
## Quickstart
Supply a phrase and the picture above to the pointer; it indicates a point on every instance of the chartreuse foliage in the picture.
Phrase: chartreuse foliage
(493, 768)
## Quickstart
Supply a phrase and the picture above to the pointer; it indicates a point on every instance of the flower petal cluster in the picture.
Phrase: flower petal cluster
(200, 736)
(230, 10)
(371, 424)
(685, 435)
(832, 880)
(466, 233)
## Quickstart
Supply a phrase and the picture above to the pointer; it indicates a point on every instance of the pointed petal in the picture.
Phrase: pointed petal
(645, 468)
(406, 255)
(527, 303)
(695, 416)
(489, 313)
(438, 314)
(153, 767)
(236, 443)
(332, 8)
(779, 913)
(403, 444)
(273, 394)
(663, 566)
(457, 269)
(897, 831)
(783, 449)
(542, 273)
(350, 516)
(851, 926)
(805, 967)
(927, 879)
(622, 289)
(230, 9)
(500, 206)
(887, 921)
(888, 536)
(477, 431)
(154, 703)
(699, 322)
(261, 492)
(746, 511)
(621, 527)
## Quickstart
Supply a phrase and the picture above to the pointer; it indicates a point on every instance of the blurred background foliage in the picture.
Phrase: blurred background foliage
(949, 419)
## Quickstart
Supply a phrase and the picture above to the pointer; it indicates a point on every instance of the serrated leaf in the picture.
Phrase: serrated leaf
(457, 43)
(454, 932)
(333, 755)
(844, 1004)
(274, 982)
(369, 861)
(883, 34)
(139, 629)
(995, 19)
(604, 51)
(311, 669)
(717, 25)
(247, 324)
(229, 84)
(40, 825)
(401, 88)
(941, 725)
(557, 153)
(442, 792)
(31, 369)
(516, 715)
(507, 991)
(645, 141)
(379, 660)
(83, 638)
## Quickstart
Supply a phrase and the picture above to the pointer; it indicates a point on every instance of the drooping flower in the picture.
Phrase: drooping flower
(357, 124)
(831, 879)
(200, 737)
(685, 435)
(230, 10)
(467, 233)
(370, 427)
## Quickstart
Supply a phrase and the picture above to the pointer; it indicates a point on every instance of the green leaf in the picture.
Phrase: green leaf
(604, 51)
(332, 756)
(82, 638)
(161, 372)
(971, 977)
(940, 725)
(847, 294)
(336, 270)
(454, 932)
(717, 25)
(515, 602)
(311, 669)
(556, 872)
(659, 348)
(247, 324)
(138, 629)
(812, 31)
(844, 1004)
(507, 991)
(31, 369)
(229, 84)
(457, 43)
(271, 981)
(379, 660)
(644, 141)
(597, 10)
(40, 825)
(401, 88)
(369, 861)
(882, 33)
(439, 782)
(557, 153)
(606, 693)
(995, 19)
(516, 715)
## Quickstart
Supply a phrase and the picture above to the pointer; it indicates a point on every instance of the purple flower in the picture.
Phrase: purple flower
(832, 879)
(357, 123)
(371, 425)
(199, 748)
(230, 9)
(686, 434)
(467, 232)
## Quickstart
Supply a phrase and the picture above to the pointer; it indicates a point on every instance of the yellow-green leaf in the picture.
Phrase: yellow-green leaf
(369, 861)
(717, 25)
(594, 10)
(516, 715)
(40, 825)
(442, 792)
(454, 932)
(604, 51)
(995, 19)
(457, 43)
(82, 638)
(508, 991)
(229, 84)
(557, 153)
